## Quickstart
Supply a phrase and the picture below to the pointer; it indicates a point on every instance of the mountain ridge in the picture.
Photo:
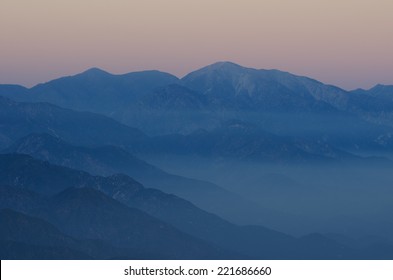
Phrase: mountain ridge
(252, 241)
(148, 100)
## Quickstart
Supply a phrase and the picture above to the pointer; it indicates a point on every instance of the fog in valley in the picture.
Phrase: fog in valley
(348, 198)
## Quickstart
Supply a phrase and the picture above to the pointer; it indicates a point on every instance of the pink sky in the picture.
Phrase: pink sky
(348, 43)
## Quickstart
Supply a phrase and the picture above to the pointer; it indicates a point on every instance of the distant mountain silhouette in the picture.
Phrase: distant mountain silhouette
(75, 182)
(230, 85)
(110, 160)
(15, 92)
(276, 101)
(94, 90)
(340, 134)
(379, 91)
(274, 90)
(88, 213)
(242, 141)
(19, 119)
(139, 99)
(50, 179)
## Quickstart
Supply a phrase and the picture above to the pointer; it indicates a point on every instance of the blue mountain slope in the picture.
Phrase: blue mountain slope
(96, 90)
(17, 119)
(110, 160)
(161, 103)
(24, 237)
(226, 82)
(75, 212)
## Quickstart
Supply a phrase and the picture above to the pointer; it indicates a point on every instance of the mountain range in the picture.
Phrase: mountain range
(109, 210)
(278, 102)
(220, 89)
(231, 139)
(19, 119)
(111, 160)
(104, 166)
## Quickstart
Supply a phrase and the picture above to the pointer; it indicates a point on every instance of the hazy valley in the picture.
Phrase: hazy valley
(147, 165)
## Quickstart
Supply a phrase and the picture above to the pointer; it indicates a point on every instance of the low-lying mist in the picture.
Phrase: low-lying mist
(345, 198)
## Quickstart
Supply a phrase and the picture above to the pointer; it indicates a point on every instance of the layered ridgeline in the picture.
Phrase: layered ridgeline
(160, 103)
(93, 90)
(110, 160)
(87, 216)
(101, 145)
(231, 139)
(19, 119)
(282, 151)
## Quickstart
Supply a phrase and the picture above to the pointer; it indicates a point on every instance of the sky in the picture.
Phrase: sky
(348, 43)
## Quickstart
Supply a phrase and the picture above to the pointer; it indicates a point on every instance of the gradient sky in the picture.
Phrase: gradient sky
(348, 43)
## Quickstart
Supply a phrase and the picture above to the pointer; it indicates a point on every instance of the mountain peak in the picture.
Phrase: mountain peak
(95, 71)
(224, 65)
(381, 86)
